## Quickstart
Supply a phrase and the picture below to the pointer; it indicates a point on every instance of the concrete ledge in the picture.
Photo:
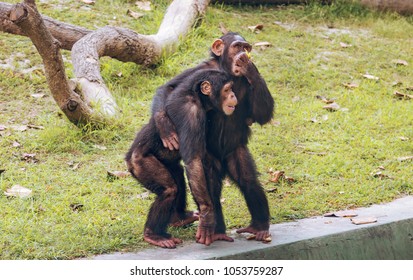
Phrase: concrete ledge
(318, 238)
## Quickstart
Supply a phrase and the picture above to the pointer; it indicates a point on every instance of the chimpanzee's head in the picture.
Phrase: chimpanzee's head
(231, 51)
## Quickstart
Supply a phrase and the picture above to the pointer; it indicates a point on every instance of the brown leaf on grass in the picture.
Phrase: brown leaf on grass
(118, 174)
(133, 14)
(18, 191)
(256, 28)
(16, 144)
(381, 175)
(341, 214)
(273, 190)
(332, 107)
(76, 207)
(403, 95)
(276, 176)
(143, 195)
(38, 95)
(35, 126)
(73, 165)
(350, 85)
(99, 147)
(363, 220)
(20, 128)
(89, 2)
(400, 62)
(279, 175)
(263, 45)
(345, 45)
(325, 99)
(401, 159)
(143, 5)
(29, 157)
(371, 77)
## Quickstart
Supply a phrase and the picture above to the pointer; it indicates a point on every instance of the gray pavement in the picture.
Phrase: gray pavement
(391, 237)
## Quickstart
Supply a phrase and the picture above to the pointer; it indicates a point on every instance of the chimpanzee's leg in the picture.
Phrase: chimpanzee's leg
(214, 175)
(181, 217)
(242, 169)
(156, 177)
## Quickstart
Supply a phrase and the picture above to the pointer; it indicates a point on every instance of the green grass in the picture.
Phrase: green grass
(332, 160)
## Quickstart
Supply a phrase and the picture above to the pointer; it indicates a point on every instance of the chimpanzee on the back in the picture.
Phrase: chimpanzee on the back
(227, 137)
(159, 169)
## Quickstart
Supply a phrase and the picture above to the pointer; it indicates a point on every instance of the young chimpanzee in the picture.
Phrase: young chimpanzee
(227, 137)
(159, 169)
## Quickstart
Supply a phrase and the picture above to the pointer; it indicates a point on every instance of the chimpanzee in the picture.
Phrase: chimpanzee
(227, 137)
(159, 169)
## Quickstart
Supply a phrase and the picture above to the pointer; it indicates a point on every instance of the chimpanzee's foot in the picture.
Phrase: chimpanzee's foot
(182, 220)
(260, 235)
(222, 236)
(164, 241)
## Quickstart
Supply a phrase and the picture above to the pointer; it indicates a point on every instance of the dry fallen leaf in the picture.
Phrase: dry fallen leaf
(276, 176)
(363, 220)
(135, 15)
(351, 85)
(273, 190)
(143, 195)
(119, 174)
(19, 127)
(76, 207)
(332, 107)
(381, 175)
(18, 191)
(143, 5)
(344, 45)
(370, 77)
(38, 95)
(405, 158)
(263, 45)
(89, 2)
(325, 99)
(100, 147)
(400, 62)
(256, 28)
(403, 95)
(16, 144)
(342, 214)
(35, 126)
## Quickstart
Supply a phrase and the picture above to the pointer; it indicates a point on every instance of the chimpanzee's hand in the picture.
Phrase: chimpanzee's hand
(166, 131)
(243, 66)
(205, 232)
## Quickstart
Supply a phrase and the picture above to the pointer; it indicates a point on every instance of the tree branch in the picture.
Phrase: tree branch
(66, 34)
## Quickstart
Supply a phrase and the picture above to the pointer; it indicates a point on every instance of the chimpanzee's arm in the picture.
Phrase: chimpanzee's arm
(163, 124)
(260, 99)
(189, 118)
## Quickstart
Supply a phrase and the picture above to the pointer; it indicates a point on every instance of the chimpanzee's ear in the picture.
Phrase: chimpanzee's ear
(218, 47)
(206, 88)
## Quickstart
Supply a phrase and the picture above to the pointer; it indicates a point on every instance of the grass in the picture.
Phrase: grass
(332, 156)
